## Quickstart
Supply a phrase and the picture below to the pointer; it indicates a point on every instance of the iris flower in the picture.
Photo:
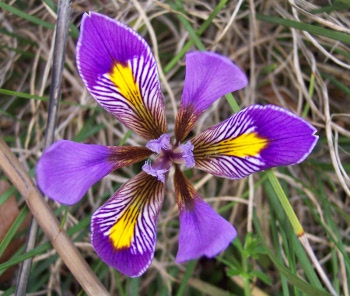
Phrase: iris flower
(119, 70)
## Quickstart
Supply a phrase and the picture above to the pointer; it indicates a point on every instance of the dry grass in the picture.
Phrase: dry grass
(306, 73)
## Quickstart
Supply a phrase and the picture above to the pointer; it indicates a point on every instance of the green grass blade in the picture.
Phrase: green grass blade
(13, 230)
(179, 7)
(293, 279)
(199, 32)
(23, 95)
(276, 206)
(277, 247)
(298, 229)
(312, 29)
(39, 98)
(186, 277)
(134, 285)
(26, 16)
(6, 195)
(18, 258)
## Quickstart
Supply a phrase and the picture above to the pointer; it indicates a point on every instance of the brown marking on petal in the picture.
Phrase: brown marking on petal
(121, 156)
(185, 120)
(184, 191)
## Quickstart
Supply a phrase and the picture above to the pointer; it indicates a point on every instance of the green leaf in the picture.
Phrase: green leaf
(312, 29)
(26, 16)
(293, 279)
(13, 230)
(6, 195)
(262, 276)
(186, 277)
(234, 271)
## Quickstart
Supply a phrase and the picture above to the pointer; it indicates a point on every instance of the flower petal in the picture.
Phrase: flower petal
(208, 77)
(254, 139)
(67, 169)
(119, 70)
(123, 230)
(155, 171)
(162, 143)
(202, 231)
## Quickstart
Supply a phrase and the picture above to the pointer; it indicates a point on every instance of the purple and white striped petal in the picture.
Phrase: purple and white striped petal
(254, 139)
(208, 77)
(203, 232)
(123, 230)
(118, 68)
(67, 169)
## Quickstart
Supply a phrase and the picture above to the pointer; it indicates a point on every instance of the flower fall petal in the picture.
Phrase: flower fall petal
(208, 77)
(119, 70)
(123, 230)
(254, 139)
(68, 169)
(203, 232)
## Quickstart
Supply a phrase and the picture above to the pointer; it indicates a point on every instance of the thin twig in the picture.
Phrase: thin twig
(62, 23)
(48, 222)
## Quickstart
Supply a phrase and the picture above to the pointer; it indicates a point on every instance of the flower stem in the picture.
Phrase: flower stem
(187, 275)
(245, 276)
(298, 229)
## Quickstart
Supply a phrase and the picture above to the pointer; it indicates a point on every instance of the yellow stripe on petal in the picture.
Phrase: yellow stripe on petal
(127, 220)
(146, 116)
(243, 146)
(121, 74)
(250, 144)
(123, 78)
(123, 231)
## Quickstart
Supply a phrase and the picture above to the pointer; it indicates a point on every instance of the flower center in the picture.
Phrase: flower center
(167, 154)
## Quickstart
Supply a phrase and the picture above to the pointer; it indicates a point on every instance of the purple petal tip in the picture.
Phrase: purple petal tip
(67, 170)
(203, 232)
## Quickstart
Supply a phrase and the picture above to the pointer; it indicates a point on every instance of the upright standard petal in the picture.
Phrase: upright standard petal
(119, 70)
(208, 77)
(254, 139)
(67, 169)
(202, 231)
(123, 230)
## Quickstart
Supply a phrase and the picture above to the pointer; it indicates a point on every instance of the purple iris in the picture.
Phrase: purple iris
(119, 70)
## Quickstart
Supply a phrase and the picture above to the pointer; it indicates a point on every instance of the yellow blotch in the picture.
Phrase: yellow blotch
(244, 145)
(123, 230)
(123, 78)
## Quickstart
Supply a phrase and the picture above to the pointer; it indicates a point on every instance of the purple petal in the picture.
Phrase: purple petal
(119, 70)
(254, 139)
(208, 77)
(123, 230)
(202, 231)
(67, 169)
